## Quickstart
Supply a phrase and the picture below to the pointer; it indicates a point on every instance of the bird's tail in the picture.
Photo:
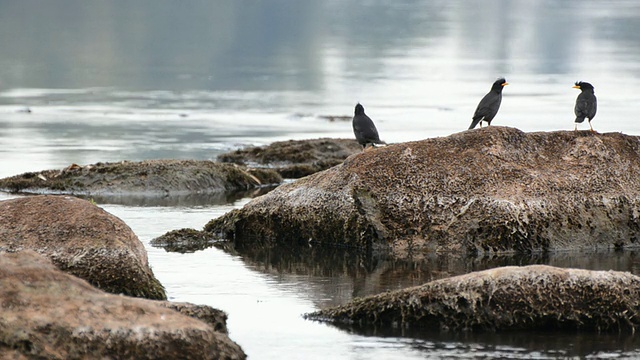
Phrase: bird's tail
(474, 123)
(579, 119)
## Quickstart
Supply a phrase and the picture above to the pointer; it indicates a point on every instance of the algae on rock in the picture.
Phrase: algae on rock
(529, 297)
(491, 190)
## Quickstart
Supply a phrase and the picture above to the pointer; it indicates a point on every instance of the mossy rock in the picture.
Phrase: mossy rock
(490, 190)
(507, 298)
(82, 239)
(184, 240)
(295, 158)
(150, 177)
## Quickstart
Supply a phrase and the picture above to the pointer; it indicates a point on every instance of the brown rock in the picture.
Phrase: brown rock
(149, 177)
(530, 297)
(295, 158)
(217, 319)
(49, 314)
(82, 239)
(490, 190)
(184, 240)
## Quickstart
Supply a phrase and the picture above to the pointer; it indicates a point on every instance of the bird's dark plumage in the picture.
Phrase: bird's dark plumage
(490, 104)
(364, 129)
(586, 103)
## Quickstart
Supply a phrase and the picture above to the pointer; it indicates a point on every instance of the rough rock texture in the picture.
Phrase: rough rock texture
(47, 314)
(530, 297)
(488, 190)
(81, 239)
(295, 158)
(184, 240)
(159, 177)
(217, 319)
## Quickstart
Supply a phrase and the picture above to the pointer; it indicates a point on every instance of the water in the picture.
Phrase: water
(113, 80)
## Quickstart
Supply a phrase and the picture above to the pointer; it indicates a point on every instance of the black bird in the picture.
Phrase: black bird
(489, 105)
(364, 129)
(586, 103)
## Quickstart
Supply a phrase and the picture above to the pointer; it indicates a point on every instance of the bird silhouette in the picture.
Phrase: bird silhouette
(489, 105)
(364, 128)
(586, 103)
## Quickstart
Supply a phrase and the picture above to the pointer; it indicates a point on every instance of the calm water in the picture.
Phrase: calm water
(114, 80)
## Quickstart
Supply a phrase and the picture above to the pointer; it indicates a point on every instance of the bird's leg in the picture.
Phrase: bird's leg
(593, 131)
(480, 124)
(576, 128)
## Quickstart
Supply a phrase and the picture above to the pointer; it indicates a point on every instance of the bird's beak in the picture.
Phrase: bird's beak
(576, 86)
(505, 84)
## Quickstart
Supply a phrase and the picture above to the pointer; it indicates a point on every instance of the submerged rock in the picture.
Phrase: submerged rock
(184, 240)
(295, 158)
(490, 190)
(530, 297)
(82, 239)
(49, 314)
(149, 177)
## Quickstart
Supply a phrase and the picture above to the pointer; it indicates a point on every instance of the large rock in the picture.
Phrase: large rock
(82, 239)
(49, 314)
(530, 297)
(150, 177)
(295, 158)
(490, 190)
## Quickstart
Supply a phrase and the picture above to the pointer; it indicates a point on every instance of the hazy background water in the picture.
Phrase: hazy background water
(114, 80)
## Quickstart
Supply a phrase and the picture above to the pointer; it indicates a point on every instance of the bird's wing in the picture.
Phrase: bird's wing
(582, 106)
(593, 108)
(364, 126)
(488, 106)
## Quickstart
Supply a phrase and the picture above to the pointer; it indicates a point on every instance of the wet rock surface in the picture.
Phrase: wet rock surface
(184, 240)
(82, 239)
(150, 177)
(47, 313)
(490, 190)
(217, 319)
(295, 158)
(530, 297)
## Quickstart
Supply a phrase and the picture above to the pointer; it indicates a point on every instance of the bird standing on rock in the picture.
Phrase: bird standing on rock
(489, 105)
(586, 103)
(364, 129)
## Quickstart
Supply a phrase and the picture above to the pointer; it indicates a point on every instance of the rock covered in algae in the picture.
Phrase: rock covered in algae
(530, 297)
(490, 190)
(48, 314)
(149, 177)
(81, 239)
(184, 240)
(295, 158)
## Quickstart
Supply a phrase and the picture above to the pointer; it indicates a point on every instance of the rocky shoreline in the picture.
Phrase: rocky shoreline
(149, 178)
(75, 283)
(47, 313)
(491, 191)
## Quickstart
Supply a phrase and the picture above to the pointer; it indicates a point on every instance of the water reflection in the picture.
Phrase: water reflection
(514, 344)
(339, 275)
(283, 44)
(180, 201)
